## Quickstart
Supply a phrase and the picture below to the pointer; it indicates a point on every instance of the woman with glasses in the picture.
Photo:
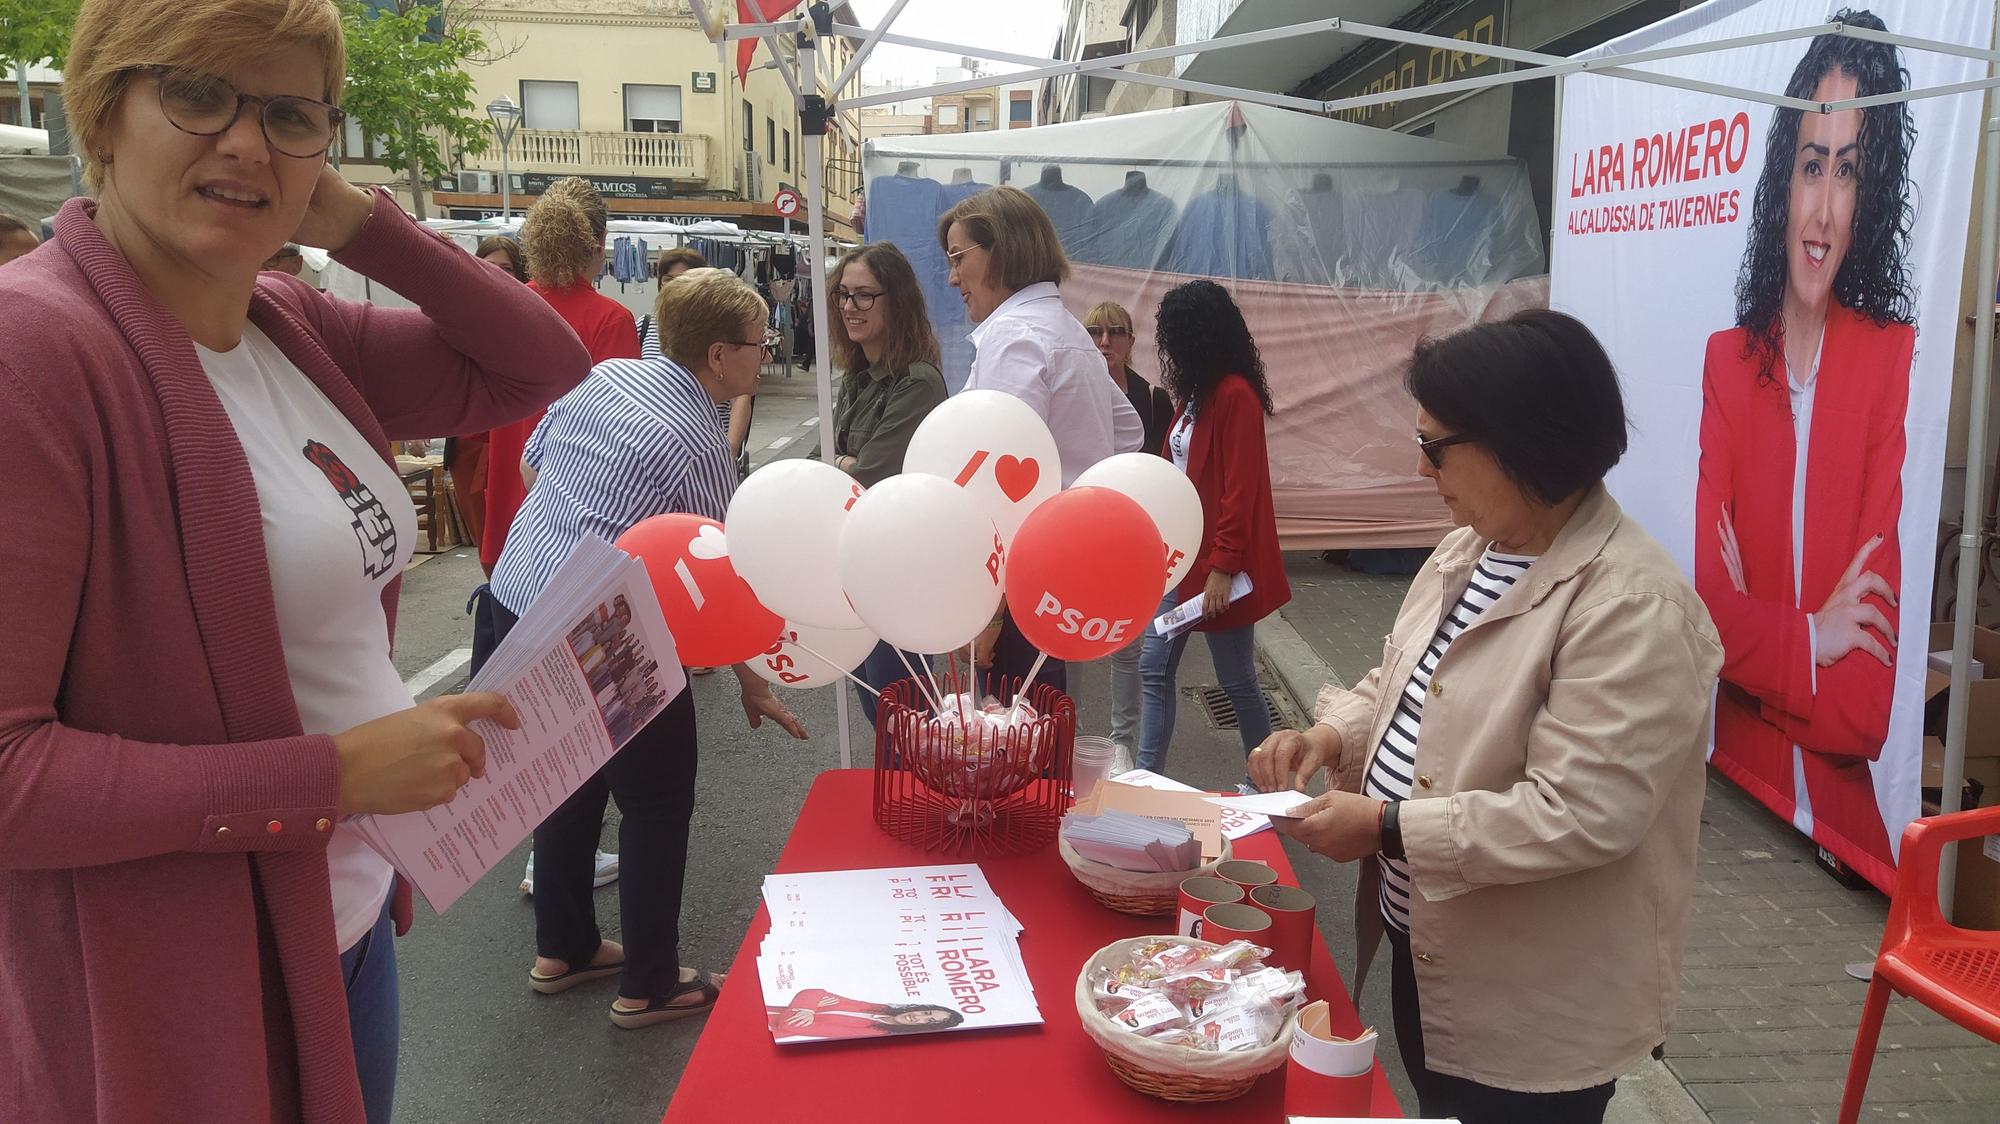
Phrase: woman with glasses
(1211, 367)
(637, 439)
(1524, 770)
(883, 342)
(1110, 328)
(202, 534)
(1006, 261)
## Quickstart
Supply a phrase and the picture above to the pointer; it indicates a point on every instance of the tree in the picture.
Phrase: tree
(34, 31)
(408, 90)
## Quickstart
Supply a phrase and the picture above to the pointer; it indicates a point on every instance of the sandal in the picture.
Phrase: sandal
(570, 977)
(706, 985)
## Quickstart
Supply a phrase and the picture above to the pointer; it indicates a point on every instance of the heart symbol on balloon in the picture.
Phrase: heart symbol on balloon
(1016, 477)
(709, 545)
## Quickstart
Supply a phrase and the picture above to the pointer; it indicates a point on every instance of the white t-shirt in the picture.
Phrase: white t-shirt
(1180, 438)
(1032, 348)
(338, 527)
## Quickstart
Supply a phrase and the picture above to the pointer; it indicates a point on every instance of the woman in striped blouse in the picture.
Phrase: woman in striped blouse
(1524, 769)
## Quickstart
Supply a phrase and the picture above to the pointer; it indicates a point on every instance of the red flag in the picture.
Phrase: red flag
(773, 11)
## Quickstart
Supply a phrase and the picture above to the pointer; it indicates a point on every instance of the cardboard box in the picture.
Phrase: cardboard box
(1982, 778)
(1982, 723)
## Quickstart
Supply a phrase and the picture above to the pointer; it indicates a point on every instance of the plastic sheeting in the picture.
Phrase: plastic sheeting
(1343, 244)
(34, 187)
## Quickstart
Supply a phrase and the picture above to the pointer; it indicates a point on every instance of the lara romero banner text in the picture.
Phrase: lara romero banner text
(1778, 290)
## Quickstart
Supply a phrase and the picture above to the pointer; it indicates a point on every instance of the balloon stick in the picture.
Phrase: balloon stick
(934, 699)
(830, 663)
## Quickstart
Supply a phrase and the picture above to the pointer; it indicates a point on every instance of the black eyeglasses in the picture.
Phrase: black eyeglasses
(1434, 447)
(206, 106)
(1102, 331)
(861, 299)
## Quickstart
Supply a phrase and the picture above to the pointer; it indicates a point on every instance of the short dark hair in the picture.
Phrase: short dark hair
(678, 255)
(10, 225)
(1536, 389)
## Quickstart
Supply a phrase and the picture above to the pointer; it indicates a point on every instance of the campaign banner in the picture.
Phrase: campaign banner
(1779, 290)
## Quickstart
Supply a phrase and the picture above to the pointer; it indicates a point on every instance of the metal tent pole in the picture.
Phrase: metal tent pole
(1971, 529)
(814, 113)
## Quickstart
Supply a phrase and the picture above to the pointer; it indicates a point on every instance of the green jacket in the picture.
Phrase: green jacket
(877, 412)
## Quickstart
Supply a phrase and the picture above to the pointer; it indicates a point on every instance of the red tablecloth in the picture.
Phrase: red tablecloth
(1051, 1072)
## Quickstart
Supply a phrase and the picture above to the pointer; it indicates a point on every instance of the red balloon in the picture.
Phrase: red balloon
(1084, 573)
(714, 617)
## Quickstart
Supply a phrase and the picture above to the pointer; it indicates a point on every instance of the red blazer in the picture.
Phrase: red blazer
(839, 1026)
(608, 332)
(1231, 470)
(1769, 699)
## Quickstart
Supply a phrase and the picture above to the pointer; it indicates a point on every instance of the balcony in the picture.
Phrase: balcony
(680, 156)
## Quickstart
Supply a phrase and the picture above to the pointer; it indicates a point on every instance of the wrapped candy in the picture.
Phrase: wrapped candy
(1223, 999)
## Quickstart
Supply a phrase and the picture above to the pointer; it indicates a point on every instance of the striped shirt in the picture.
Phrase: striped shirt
(1392, 775)
(649, 348)
(637, 438)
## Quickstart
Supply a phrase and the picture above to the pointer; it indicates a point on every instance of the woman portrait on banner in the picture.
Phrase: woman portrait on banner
(815, 1013)
(1527, 758)
(1005, 260)
(1212, 369)
(204, 533)
(1800, 487)
(882, 341)
(637, 439)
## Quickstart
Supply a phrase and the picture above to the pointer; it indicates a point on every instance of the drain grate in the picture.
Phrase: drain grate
(1222, 712)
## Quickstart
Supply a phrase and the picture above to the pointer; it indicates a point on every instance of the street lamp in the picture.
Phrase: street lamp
(506, 118)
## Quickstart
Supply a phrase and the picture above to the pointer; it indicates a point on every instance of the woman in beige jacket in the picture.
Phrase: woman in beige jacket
(1524, 770)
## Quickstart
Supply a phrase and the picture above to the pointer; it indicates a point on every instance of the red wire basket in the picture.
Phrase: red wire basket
(999, 792)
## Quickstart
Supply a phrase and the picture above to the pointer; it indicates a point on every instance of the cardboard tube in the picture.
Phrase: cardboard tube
(1197, 894)
(1292, 913)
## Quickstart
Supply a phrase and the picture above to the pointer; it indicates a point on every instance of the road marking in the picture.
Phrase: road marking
(779, 443)
(809, 422)
(427, 678)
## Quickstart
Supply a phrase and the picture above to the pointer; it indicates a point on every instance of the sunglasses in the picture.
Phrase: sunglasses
(1434, 447)
(1104, 331)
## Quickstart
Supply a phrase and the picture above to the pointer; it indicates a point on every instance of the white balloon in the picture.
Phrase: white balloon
(796, 659)
(994, 446)
(920, 565)
(1167, 495)
(783, 524)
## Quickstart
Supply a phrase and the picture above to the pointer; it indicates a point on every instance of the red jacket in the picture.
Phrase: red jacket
(1231, 470)
(836, 1026)
(1769, 699)
(144, 704)
(608, 332)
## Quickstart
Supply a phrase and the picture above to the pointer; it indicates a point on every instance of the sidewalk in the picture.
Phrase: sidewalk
(1767, 1011)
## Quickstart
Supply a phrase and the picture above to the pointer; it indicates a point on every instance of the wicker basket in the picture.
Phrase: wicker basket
(1174, 1073)
(1140, 893)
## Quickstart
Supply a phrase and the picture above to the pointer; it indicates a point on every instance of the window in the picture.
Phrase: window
(947, 114)
(771, 140)
(749, 128)
(652, 109)
(549, 105)
(353, 144)
(1022, 109)
(982, 116)
(788, 150)
(1095, 92)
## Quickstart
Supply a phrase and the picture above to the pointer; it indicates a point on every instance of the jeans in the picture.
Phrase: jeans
(1443, 1095)
(1012, 657)
(1235, 654)
(1125, 692)
(369, 972)
(653, 777)
(881, 668)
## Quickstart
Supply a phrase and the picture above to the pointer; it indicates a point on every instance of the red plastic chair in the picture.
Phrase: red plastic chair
(1953, 971)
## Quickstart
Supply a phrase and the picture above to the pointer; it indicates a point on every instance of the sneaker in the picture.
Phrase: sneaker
(607, 872)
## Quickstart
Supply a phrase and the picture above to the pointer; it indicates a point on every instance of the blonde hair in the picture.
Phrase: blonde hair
(703, 307)
(563, 234)
(1108, 314)
(114, 37)
(1021, 243)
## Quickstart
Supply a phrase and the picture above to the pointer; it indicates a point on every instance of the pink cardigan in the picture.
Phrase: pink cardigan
(166, 932)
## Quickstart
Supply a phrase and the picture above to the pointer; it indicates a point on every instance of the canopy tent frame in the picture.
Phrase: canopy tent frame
(815, 102)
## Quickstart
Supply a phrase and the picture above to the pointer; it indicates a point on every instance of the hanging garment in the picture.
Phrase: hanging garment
(1224, 233)
(1132, 227)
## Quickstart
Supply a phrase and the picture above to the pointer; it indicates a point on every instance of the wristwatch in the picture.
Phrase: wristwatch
(1392, 830)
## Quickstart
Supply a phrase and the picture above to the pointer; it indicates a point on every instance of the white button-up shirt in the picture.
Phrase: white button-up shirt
(1033, 349)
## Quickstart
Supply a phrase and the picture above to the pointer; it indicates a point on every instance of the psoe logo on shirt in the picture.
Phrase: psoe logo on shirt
(373, 528)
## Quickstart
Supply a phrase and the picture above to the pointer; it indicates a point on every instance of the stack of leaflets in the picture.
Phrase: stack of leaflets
(588, 665)
(1131, 842)
(897, 950)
